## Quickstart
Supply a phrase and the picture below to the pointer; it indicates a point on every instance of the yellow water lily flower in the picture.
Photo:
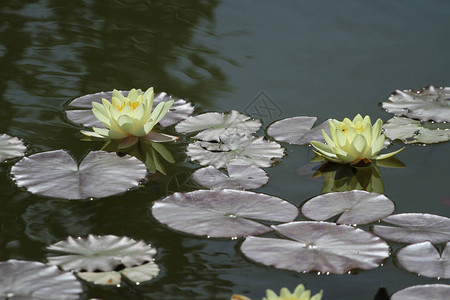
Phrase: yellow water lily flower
(130, 118)
(352, 142)
(299, 294)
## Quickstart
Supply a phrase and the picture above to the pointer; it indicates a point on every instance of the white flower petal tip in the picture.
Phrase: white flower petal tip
(160, 137)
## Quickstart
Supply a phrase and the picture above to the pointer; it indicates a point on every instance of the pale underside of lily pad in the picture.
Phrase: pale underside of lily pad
(298, 130)
(411, 131)
(180, 109)
(421, 292)
(424, 259)
(212, 125)
(415, 228)
(222, 213)
(57, 174)
(235, 148)
(100, 253)
(430, 103)
(318, 246)
(239, 177)
(35, 280)
(355, 207)
(10, 147)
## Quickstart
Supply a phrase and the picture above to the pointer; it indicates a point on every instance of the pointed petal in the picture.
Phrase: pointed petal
(322, 148)
(377, 145)
(101, 131)
(387, 155)
(92, 134)
(327, 139)
(160, 137)
(117, 94)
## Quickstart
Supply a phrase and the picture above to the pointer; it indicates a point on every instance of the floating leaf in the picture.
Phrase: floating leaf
(234, 148)
(415, 228)
(412, 131)
(421, 292)
(239, 177)
(424, 259)
(180, 109)
(105, 278)
(10, 147)
(35, 280)
(222, 213)
(57, 174)
(103, 253)
(357, 207)
(298, 130)
(318, 246)
(430, 103)
(212, 125)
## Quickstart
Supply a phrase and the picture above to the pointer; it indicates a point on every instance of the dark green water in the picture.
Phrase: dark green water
(326, 59)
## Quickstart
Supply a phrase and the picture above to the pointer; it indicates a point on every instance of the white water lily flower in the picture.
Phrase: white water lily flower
(353, 141)
(299, 294)
(130, 118)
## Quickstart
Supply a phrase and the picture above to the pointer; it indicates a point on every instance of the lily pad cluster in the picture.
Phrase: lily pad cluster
(10, 147)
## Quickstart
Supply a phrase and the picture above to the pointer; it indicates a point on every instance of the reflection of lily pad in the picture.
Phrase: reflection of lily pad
(10, 147)
(103, 253)
(35, 280)
(430, 103)
(239, 177)
(297, 130)
(56, 174)
(318, 246)
(222, 213)
(212, 125)
(357, 207)
(424, 259)
(415, 228)
(421, 292)
(180, 109)
(239, 148)
(412, 131)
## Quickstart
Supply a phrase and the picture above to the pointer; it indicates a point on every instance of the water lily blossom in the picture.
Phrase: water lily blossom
(130, 117)
(352, 142)
(299, 294)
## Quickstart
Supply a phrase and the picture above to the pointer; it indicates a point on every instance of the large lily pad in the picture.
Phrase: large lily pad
(10, 147)
(356, 207)
(240, 148)
(298, 130)
(57, 174)
(318, 246)
(100, 253)
(412, 131)
(430, 103)
(425, 259)
(421, 292)
(222, 213)
(212, 125)
(415, 228)
(35, 280)
(180, 109)
(239, 177)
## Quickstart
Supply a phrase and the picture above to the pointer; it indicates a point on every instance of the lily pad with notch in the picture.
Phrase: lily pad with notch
(411, 131)
(10, 147)
(298, 130)
(222, 213)
(425, 291)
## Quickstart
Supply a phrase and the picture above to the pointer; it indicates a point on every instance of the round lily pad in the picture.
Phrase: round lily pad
(411, 131)
(298, 130)
(10, 147)
(222, 213)
(318, 246)
(57, 174)
(421, 292)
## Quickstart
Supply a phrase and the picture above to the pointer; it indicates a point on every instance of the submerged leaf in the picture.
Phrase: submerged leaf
(412, 131)
(421, 292)
(298, 130)
(57, 174)
(357, 207)
(222, 213)
(10, 147)
(318, 246)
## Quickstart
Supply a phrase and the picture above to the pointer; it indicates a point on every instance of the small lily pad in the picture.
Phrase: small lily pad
(10, 147)
(424, 259)
(318, 246)
(430, 103)
(239, 177)
(412, 131)
(102, 253)
(212, 125)
(180, 109)
(35, 280)
(222, 213)
(239, 148)
(415, 228)
(57, 174)
(421, 292)
(357, 207)
(298, 130)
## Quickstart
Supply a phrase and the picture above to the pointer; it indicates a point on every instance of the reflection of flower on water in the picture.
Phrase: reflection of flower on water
(300, 293)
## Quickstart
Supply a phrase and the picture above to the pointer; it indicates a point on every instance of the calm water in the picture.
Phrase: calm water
(327, 59)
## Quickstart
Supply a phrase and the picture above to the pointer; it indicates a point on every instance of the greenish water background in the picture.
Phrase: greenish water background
(325, 59)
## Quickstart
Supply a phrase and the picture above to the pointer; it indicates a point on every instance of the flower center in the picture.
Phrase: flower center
(127, 102)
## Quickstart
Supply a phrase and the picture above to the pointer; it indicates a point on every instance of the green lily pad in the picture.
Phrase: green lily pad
(298, 130)
(421, 292)
(412, 131)
(10, 147)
